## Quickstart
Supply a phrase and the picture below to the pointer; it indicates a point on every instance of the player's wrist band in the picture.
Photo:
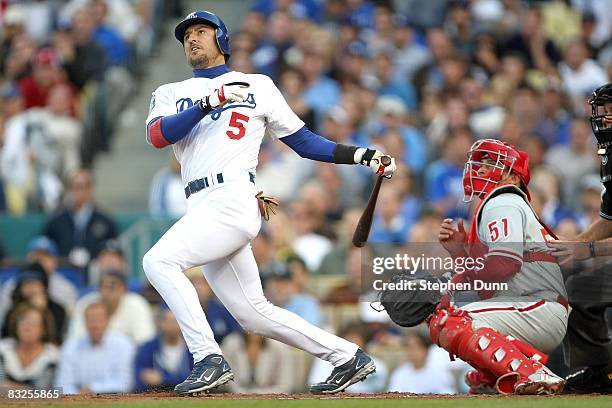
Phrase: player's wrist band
(344, 154)
(205, 104)
(592, 249)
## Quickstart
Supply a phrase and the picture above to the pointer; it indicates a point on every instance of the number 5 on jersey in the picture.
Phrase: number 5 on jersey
(495, 226)
(236, 124)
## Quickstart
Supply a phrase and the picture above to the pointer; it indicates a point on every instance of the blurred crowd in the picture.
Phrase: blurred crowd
(67, 69)
(420, 80)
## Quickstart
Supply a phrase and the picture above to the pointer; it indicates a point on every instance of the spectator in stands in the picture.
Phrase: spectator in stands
(99, 361)
(553, 210)
(283, 289)
(580, 74)
(14, 159)
(80, 229)
(356, 333)
(164, 361)
(17, 64)
(392, 114)
(531, 42)
(291, 84)
(61, 291)
(443, 177)
(219, 318)
(334, 262)
(129, 312)
(46, 72)
(268, 58)
(411, 55)
(388, 84)
(32, 289)
(321, 92)
(111, 256)
(389, 225)
(167, 192)
(429, 77)
(260, 365)
(106, 36)
(348, 291)
(590, 197)
(120, 15)
(117, 78)
(82, 58)
(574, 161)
(27, 359)
(420, 374)
(64, 130)
(486, 119)
(13, 20)
(556, 120)
(309, 242)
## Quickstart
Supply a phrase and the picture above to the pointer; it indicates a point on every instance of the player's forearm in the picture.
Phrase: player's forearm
(599, 230)
(310, 145)
(170, 129)
(315, 147)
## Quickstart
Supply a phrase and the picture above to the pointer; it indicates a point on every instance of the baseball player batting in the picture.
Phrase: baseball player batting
(215, 122)
(506, 335)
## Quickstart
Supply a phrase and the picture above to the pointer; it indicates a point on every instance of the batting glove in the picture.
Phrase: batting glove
(233, 92)
(371, 158)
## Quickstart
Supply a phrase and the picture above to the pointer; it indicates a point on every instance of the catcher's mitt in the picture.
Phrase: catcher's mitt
(410, 308)
(266, 204)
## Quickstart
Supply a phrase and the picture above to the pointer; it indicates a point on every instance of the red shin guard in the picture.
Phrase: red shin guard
(484, 348)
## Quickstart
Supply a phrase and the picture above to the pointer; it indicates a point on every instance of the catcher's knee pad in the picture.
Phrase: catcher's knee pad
(506, 359)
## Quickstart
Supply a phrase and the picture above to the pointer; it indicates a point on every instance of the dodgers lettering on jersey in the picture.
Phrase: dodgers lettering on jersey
(509, 227)
(228, 139)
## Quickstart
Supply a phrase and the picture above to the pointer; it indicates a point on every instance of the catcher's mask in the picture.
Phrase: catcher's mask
(601, 113)
(490, 162)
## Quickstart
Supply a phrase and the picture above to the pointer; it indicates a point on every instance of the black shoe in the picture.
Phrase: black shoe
(355, 370)
(207, 374)
(597, 379)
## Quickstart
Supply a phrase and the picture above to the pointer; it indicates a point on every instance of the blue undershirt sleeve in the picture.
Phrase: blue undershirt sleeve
(175, 127)
(310, 145)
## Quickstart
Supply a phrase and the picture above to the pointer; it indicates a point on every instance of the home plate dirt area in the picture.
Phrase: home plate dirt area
(383, 400)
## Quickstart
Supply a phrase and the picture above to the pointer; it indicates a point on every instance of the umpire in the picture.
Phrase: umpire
(588, 343)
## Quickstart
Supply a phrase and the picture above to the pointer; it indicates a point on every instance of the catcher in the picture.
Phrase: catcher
(506, 334)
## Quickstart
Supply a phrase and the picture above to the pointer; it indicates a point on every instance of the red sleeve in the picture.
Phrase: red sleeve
(156, 137)
(496, 268)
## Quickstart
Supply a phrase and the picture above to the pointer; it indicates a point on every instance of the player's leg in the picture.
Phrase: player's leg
(236, 282)
(507, 363)
(203, 234)
(541, 324)
(588, 345)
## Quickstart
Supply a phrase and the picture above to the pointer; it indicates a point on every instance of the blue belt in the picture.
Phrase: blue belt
(200, 184)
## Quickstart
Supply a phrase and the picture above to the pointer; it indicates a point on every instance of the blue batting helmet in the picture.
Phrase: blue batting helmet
(210, 19)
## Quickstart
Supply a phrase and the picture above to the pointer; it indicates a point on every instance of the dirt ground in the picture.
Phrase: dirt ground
(126, 398)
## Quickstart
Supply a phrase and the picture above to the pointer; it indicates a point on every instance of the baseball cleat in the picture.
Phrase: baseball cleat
(542, 382)
(211, 372)
(355, 370)
(590, 380)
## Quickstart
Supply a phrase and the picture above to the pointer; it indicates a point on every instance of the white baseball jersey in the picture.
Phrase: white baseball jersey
(228, 139)
(220, 223)
(509, 227)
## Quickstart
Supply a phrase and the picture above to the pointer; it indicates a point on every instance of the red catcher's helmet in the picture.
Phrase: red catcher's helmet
(503, 159)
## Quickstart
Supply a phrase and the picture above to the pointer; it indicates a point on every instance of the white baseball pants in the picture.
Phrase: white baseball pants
(216, 232)
(539, 323)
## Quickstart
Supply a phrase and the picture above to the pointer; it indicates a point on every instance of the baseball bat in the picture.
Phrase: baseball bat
(360, 237)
